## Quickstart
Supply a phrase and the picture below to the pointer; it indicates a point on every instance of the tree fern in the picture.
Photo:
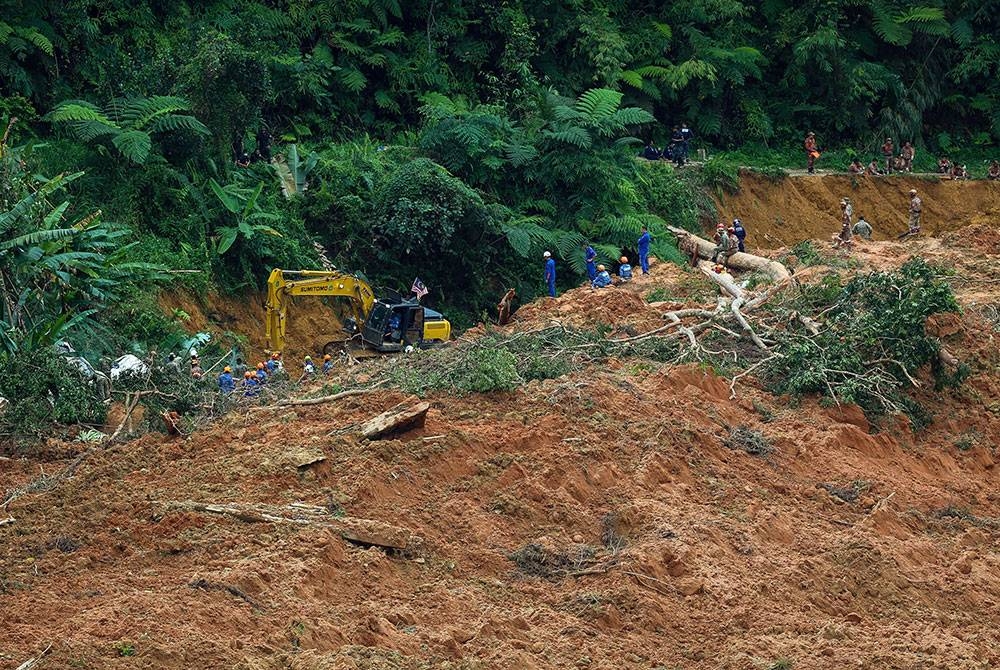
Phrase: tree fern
(598, 103)
(576, 136)
(134, 145)
(128, 122)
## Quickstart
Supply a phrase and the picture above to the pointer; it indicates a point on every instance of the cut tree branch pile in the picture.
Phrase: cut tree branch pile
(363, 531)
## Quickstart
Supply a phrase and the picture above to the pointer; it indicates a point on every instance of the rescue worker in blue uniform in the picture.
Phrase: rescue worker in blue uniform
(327, 364)
(550, 273)
(226, 382)
(643, 244)
(602, 279)
(590, 257)
(624, 269)
(251, 386)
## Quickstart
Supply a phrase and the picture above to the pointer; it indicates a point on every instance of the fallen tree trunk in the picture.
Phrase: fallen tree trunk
(739, 261)
(404, 416)
(364, 531)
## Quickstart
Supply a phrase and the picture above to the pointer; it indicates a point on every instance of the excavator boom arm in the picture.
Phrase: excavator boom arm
(285, 283)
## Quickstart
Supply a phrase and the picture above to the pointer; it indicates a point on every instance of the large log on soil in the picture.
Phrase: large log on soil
(407, 414)
(739, 261)
(364, 531)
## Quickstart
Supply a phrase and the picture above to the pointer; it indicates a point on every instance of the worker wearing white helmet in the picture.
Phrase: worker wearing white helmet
(550, 273)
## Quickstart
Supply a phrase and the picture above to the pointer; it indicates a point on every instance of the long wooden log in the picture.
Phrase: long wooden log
(365, 531)
(740, 261)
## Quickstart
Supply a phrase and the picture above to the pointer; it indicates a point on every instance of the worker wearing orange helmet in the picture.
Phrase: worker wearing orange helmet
(226, 382)
(261, 373)
(251, 385)
(624, 269)
(327, 364)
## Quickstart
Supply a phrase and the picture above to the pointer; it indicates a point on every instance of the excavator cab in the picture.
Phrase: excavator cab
(395, 326)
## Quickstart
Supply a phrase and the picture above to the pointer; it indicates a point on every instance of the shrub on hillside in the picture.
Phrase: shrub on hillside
(44, 391)
(872, 342)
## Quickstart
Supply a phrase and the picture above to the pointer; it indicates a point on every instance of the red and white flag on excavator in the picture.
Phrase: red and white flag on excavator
(419, 288)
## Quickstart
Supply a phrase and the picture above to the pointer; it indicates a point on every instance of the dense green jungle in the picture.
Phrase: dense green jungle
(158, 145)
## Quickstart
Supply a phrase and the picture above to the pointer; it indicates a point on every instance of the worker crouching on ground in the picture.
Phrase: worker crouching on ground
(602, 280)
(307, 366)
(862, 228)
(261, 374)
(226, 382)
(624, 269)
(327, 364)
(251, 386)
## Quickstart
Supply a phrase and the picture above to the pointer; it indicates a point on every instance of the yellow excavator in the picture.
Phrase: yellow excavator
(386, 324)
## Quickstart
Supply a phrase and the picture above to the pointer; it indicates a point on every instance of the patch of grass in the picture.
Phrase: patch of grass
(749, 441)
(967, 440)
(806, 253)
(781, 664)
(765, 412)
(125, 648)
(658, 294)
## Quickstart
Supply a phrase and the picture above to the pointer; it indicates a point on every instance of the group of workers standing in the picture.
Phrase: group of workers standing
(597, 273)
(863, 229)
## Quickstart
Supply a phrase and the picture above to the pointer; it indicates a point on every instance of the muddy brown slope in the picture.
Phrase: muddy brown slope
(642, 539)
(785, 212)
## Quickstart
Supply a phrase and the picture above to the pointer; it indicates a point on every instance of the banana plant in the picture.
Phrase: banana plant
(294, 172)
(241, 203)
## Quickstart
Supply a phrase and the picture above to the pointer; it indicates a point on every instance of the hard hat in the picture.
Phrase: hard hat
(276, 355)
(811, 134)
(247, 374)
(546, 254)
(227, 369)
(308, 358)
(624, 259)
(600, 268)
(721, 225)
(326, 357)
(731, 229)
(260, 366)
(913, 191)
(718, 269)
(736, 222)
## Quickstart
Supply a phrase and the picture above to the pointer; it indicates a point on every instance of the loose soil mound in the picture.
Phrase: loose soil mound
(793, 209)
